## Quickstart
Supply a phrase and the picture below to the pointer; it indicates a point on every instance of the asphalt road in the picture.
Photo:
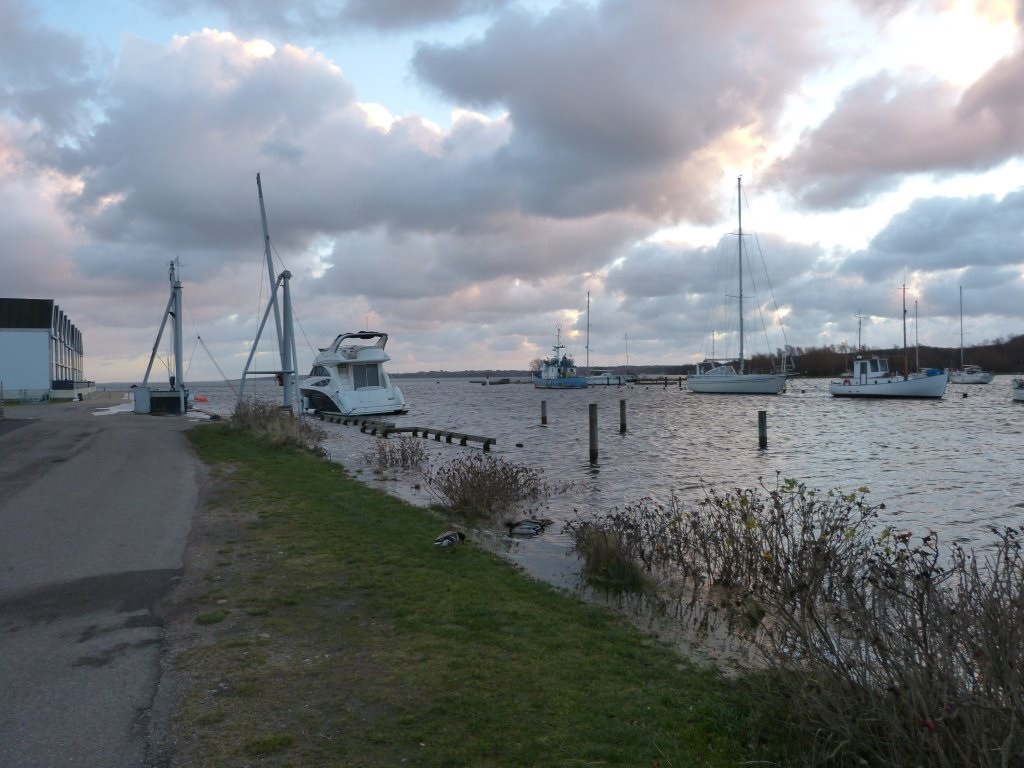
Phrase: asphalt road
(95, 511)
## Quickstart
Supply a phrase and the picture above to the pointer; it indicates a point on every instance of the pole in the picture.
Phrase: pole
(762, 429)
(593, 433)
(543, 411)
(622, 416)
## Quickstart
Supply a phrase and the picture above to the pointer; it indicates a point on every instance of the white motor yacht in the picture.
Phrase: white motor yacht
(348, 378)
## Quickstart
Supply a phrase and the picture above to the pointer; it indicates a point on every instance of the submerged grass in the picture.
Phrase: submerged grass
(349, 639)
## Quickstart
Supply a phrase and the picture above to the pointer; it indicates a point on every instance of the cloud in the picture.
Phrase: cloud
(934, 234)
(616, 106)
(888, 126)
(318, 18)
(47, 94)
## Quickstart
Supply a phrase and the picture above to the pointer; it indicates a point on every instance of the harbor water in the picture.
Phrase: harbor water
(952, 466)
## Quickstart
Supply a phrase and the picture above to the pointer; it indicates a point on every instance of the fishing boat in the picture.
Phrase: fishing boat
(559, 370)
(968, 374)
(1017, 389)
(727, 376)
(871, 377)
(348, 378)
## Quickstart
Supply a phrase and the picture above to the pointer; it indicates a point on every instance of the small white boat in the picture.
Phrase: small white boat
(605, 379)
(970, 374)
(559, 370)
(721, 376)
(1017, 389)
(871, 377)
(348, 377)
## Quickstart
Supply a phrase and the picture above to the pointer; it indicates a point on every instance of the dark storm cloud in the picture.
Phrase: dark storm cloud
(611, 103)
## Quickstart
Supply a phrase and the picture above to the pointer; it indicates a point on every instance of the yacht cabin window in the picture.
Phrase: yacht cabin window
(365, 376)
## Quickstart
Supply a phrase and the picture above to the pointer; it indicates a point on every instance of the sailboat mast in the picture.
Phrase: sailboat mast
(588, 332)
(906, 357)
(270, 273)
(961, 327)
(739, 211)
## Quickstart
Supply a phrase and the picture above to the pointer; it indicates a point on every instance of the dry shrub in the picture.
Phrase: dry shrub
(478, 486)
(276, 425)
(884, 649)
(405, 452)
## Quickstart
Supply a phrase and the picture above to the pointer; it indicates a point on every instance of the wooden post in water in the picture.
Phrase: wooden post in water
(762, 429)
(593, 433)
(622, 416)
(543, 411)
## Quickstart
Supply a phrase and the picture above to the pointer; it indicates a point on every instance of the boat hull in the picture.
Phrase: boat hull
(914, 387)
(565, 382)
(1017, 389)
(737, 384)
(382, 402)
(960, 377)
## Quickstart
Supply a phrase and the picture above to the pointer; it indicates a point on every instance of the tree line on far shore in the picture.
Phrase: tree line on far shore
(999, 356)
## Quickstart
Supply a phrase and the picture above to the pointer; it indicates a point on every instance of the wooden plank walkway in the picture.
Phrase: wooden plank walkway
(385, 428)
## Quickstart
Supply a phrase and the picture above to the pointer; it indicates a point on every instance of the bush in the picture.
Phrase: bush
(276, 425)
(877, 646)
(483, 486)
(611, 553)
(405, 452)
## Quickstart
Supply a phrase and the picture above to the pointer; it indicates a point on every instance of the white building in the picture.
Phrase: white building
(41, 354)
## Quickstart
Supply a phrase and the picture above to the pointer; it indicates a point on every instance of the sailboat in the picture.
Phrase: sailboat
(968, 374)
(871, 376)
(604, 378)
(724, 377)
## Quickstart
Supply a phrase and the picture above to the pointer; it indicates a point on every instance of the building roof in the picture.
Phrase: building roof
(26, 313)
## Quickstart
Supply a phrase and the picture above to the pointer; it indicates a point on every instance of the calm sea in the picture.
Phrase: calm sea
(953, 466)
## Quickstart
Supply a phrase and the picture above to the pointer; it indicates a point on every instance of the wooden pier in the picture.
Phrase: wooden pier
(385, 428)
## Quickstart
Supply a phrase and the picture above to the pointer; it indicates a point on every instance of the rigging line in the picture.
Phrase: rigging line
(227, 381)
(188, 366)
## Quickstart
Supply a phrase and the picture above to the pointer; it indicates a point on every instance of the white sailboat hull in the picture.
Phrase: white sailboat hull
(915, 386)
(737, 383)
(970, 377)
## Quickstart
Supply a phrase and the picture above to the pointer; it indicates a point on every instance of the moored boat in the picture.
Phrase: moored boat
(1017, 389)
(968, 374)
(559, 370)
(348, 377)
(723, 376)
(871, 377)
(971, 374)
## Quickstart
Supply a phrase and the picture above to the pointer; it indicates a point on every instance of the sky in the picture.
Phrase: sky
(470, 176)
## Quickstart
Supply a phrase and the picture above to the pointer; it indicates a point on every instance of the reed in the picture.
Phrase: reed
(405, 452)
(277, 426)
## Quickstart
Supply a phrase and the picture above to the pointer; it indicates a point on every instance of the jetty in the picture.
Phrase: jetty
(386, 428)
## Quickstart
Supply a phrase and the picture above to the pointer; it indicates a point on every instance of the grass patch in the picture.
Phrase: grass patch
(372, 647)
(212, 617)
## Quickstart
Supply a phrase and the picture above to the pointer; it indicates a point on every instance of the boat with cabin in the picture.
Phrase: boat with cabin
(871, 376)
(348, 378)
(559, 370)
(730, 377)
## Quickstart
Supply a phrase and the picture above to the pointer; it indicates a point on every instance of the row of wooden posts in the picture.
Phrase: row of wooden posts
(762, 425)
(385, 428)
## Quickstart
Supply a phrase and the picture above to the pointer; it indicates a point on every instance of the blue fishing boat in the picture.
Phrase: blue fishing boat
(558, 371)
